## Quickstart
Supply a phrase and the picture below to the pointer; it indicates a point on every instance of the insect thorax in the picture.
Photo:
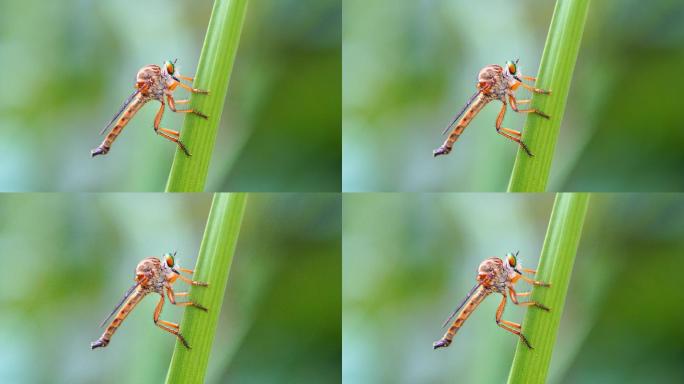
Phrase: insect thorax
(493, 74)
(151, 267)
(494, 268)
(152, 74)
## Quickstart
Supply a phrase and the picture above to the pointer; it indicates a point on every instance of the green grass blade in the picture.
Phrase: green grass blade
(555, 266)
(555, 74)
(213, 265)
(189, 174)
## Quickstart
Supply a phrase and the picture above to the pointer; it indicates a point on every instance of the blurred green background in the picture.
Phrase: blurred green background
(409, 259)
(68, 65)
(69, 258)
(409, 66)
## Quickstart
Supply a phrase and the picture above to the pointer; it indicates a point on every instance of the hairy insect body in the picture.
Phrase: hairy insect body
(156, 79)
(494, 83)
(152, 275)
(152, 83)
(494, 275)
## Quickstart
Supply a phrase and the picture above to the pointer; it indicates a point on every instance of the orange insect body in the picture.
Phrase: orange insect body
(151, 276)
(152, 83)
(494, 83)
(494, 276)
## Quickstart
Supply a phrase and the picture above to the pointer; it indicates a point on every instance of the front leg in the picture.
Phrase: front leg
(535, 282)
(514, 106)
(172, 299)
(191, 89)
(172, 105)
(534, 89)
(192, 282)
(514, 299)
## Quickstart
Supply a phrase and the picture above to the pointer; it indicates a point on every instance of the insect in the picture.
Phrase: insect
(494, 83)
(153, 83)
(494, 275)
(151, 275)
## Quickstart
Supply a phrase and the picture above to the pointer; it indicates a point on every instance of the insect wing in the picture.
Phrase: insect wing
(465, 300)
(455, 119)
(123, 107)
(123, 300)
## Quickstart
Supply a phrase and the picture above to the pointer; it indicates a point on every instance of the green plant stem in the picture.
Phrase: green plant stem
(530, 174)
(555, 267)
(189, 174)
(213, 266)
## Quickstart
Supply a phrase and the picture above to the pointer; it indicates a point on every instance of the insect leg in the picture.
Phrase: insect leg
(514, 299)
(509, 326)
(172, 105)
(535, 90)
(529, 78)
(168, 326)
(190, 271)
(166, 133)
(535, 282)
(172, 299)
(192, 282)
(505, 132)
(188, 78)
(193, 90)
(514, 106)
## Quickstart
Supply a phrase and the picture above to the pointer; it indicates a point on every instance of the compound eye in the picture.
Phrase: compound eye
(170, 68)
(512, 69)
(511, 260)
(169, 260)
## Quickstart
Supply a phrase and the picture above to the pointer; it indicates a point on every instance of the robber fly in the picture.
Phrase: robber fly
(151, 275)
(494, 83)
(494, 276)
(153, 83)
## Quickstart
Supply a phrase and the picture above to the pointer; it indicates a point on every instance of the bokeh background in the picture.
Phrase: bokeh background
(409, 259)
(67, 259)
(67, 66)
(409, 66)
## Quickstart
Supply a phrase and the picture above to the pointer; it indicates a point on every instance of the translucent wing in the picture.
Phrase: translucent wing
(123, 300)
(123, 108)
(461, 305)
(453, 121)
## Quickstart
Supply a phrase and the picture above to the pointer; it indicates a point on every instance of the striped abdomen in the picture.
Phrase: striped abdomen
(477, 106)
(130, 111)
(128, 114)
(472, 303)
(132, 301)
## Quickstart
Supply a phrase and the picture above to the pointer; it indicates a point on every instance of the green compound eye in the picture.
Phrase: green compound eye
(512, 261)
(170, 68)
(168, 258)
(512, 68)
